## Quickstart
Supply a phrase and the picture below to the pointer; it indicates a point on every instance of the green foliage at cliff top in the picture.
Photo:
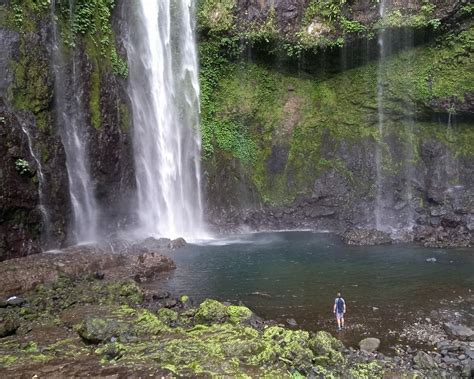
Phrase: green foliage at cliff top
(323, 24)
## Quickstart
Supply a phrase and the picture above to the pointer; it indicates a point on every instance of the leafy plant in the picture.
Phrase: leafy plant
(22, 166)
(92, 18)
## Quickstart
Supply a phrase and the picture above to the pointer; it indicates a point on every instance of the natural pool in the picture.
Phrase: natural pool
(297, 274)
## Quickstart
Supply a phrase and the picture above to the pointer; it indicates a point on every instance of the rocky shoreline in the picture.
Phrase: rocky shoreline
(103, 321)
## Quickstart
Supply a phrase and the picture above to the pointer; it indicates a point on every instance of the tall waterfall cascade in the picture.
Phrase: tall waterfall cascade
(72, 122)
(393, 206)
(164, 92)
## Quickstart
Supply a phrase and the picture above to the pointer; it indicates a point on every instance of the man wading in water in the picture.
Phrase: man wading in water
(339, 310)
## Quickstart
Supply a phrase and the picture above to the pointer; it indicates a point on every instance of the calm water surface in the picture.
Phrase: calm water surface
(297, 274)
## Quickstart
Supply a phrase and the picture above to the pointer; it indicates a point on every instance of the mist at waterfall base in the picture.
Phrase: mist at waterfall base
(297, 275)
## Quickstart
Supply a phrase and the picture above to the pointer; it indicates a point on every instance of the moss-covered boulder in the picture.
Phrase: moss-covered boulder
(168, 316)
(96, 330)
(289, 346)
(211, 311)
(327, 349)
(239, 314)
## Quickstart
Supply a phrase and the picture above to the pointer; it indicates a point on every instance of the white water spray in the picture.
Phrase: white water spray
(164, 90)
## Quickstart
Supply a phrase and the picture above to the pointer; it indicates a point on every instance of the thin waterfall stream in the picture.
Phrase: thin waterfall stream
(381, 41)
(43, 206)
(71, 118)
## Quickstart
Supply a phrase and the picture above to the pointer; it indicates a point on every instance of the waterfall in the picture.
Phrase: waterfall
(394, 209)
(381, 41)
(70, 114)
(164, 91)
(46, 228)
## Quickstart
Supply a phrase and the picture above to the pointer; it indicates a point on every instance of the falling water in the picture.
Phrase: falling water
(164, 90)
(394, 209)
(46, 227)
(379, 221)
(72, 124)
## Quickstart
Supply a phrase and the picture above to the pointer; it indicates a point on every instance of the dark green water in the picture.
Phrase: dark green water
(299, 274)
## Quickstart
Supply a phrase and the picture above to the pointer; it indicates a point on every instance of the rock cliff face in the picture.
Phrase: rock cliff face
(289, 116)
(34, 202)
(291, 131)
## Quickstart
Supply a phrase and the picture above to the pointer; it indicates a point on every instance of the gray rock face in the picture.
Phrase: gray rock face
(369, 345)
(9, 323)
(366, 237)
(27, 104)
(459, 331)
(424, 361)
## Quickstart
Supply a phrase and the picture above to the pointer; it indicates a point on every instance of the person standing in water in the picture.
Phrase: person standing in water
(339, 310)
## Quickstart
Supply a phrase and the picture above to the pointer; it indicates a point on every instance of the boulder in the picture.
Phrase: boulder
(468, 370)
(211, 311)
(15, 301)
(97, 330)
(325, 344)
(459, 331)
(9, 323)
(177, 243)
(369, 345)
(239, 314)
(424, 361)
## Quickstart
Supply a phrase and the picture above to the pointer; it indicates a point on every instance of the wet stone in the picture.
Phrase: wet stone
(15, 301)
(458, 331)
(369, 345)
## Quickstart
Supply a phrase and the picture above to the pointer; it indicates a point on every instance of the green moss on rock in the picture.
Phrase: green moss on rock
(168, 316)
(211, 311)
(238, 314)
(277, 124)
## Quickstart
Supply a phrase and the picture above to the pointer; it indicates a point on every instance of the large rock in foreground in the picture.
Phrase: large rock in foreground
(369, 345)
(116, 260)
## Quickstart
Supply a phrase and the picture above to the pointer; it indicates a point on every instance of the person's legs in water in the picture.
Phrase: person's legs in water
(340, 320)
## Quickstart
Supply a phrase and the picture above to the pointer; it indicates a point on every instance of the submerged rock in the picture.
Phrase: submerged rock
(177, 243)
(369, 345)
(366, 237)
(459, 331)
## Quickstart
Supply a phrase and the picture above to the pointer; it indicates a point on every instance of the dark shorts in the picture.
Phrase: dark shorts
(339, 315)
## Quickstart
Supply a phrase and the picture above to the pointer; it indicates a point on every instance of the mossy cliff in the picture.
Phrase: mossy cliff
(292, 141)
(31, 33)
